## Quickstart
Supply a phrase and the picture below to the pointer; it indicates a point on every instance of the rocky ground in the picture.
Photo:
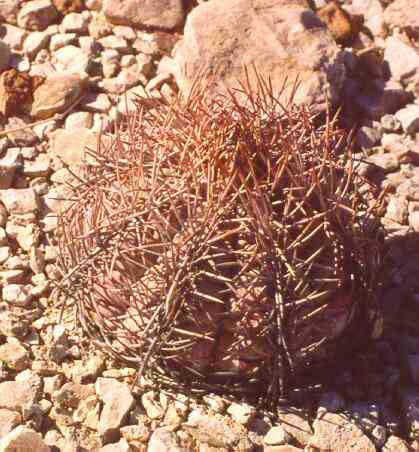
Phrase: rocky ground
(71, 68)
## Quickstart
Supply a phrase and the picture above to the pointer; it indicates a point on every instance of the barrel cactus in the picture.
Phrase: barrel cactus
(224, 243)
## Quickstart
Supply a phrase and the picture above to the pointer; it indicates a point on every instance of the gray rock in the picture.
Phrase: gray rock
(12, 36)
(336, 432)
(281, 39)
(36, 41)
(19, 201)
(296, 424)
(73, 59)
(409, 118)
(153, 408)
(118, 402)
(75, 23)
(14, 356)
(216, 432)
(166, 14)
(37, 15)
(390, 123)
(163, 439)
(62, 40)
(23, 439)
(276, 436)
(14, 395)
(402, 59)
(369, 136)
(242, 413)
(9, 164)
(397, 209)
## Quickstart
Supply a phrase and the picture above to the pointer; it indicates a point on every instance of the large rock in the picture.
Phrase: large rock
(56, 94)
(8, 421)
(164, 14)
(281, 39)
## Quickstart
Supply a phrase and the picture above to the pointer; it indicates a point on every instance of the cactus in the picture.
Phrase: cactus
(223, 243)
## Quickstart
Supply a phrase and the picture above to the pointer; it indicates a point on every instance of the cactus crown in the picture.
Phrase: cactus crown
(222, 243)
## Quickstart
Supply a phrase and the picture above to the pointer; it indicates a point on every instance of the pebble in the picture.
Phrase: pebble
(14, 395)
(118, 402)
(37, 15)
(409, 118)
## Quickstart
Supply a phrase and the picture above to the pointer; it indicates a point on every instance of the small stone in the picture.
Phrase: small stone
(163, 439)
(73, 59)
(396, 444)
(8, 421)
(11, 276)
(276, 436)
(35, 42)
(12, 326)
(52, 384)
(166, 14)
(5, 253)
(409, 118)
(62, 40)
(25, 136)
(88, 412)
(79, 119)
(40, 167)
(90, 370)
(139, 432)
(37, 15)
(71, 147)
(115, 43)
(295, 423)
(9, 164)
(75, 23)
(402, 59)
(369, 136)
(390, 124)
(216, 432)
(215, 403)
(17, 294)
(23, 439)
(118, 402)
(152, 407)
(14, 395)
(242, 413)
(97, 103)
(336, 432)
(14, 356)
(56, 94)
(397, 209)
(19, 201)
(387, 162)
(99, 26)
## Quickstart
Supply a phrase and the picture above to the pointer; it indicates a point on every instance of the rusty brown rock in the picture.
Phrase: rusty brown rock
(16, 90)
